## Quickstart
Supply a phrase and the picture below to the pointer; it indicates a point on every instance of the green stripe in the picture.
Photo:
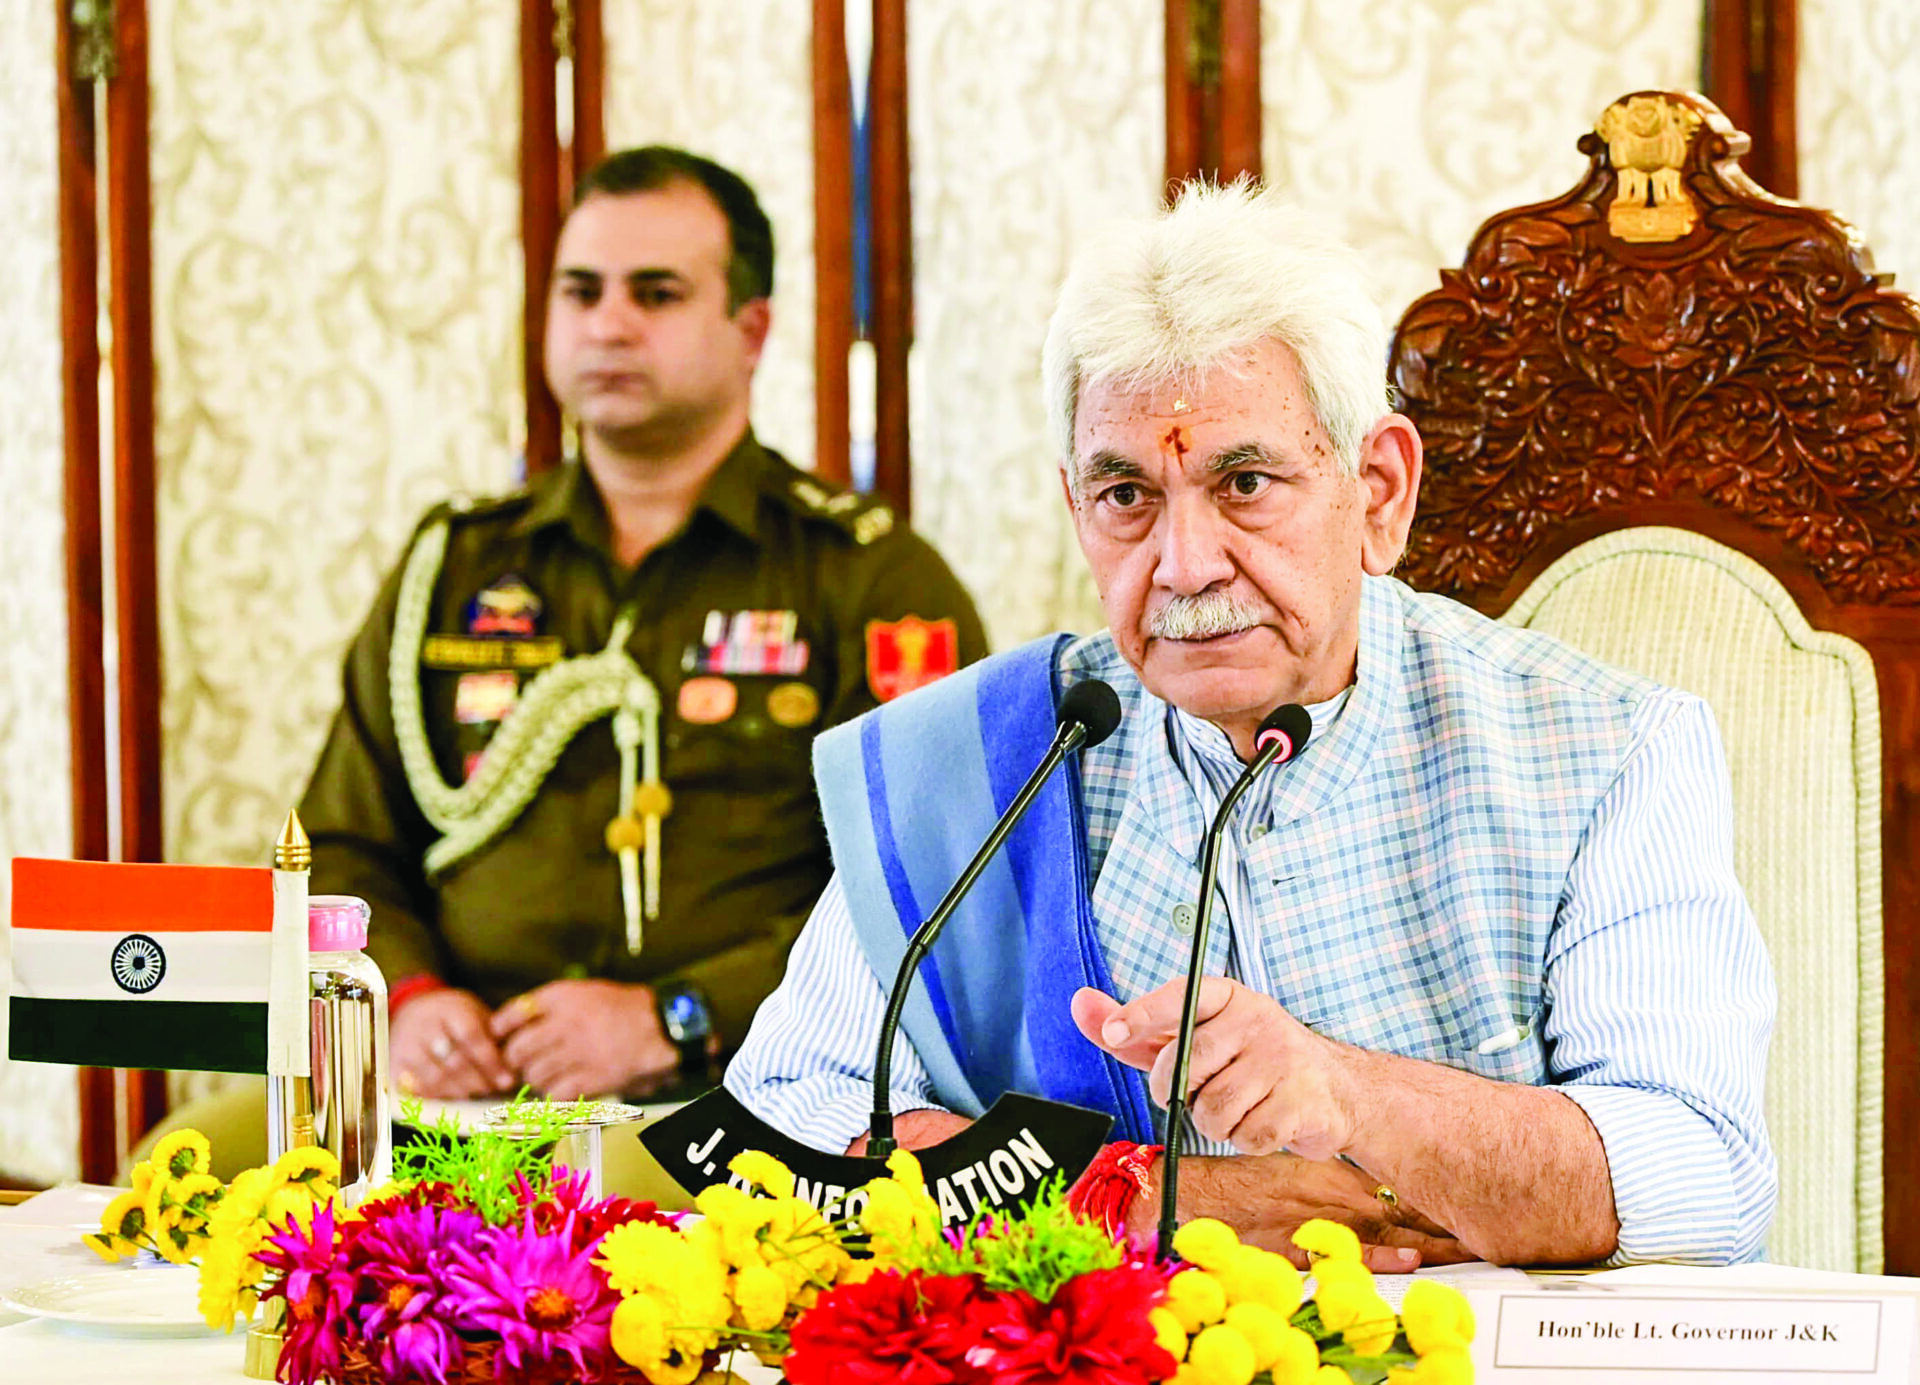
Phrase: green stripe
(198, 1036)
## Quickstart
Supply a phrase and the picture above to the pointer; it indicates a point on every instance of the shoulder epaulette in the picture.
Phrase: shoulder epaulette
(865, 517)
(463, 506)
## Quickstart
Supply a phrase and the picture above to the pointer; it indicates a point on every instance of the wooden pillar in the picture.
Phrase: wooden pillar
(832, 240)
(1212, 90)
(891, 205)
(540, 184)
(589, 46)
(1748, 57)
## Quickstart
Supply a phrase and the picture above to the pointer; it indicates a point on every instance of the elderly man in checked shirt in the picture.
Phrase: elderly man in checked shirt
(1484, 983)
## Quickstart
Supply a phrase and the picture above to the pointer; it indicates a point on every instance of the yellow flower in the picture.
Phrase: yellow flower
(287, 1204)
(1264, 1328)
(800, 1247)
(125, 1218)
(142, 1178)
(682, 1272)
(1205, 1242)
(108, 1248)
(1297, 1360)
(1251, 1275)
(245, 1199)
(1349, 1306)
(1196, 1298)
(196, 1195)
(640, 1337)
(763, 1171)
(1445, 1365)
(1221, 1356)
(738, 1218)
(1435, 1316)
(760, 1295)
(313, 1167)
(176, 1244)
(181, 1153)
(1328, 1240)
(1330, 1375)
(228, 1285)
(899, 1211)
(1168, 1332)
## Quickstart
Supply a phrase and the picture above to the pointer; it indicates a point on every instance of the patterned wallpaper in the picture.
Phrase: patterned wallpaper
(1859, 104)
(1031, 125)
(39, 1109)
(1409, 122)
(336, 320)
(734, 82)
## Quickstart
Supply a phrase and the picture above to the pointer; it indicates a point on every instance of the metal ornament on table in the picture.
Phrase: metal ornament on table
(579, 1147)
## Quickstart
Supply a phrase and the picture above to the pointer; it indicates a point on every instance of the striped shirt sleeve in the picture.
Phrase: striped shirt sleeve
(807, 1065)
(1661, 1000)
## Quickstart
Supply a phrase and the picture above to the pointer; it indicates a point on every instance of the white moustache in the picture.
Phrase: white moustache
(1204, 617)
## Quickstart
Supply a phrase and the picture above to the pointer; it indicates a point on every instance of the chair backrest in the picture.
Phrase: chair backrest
(1800, 718)
(1668, 345)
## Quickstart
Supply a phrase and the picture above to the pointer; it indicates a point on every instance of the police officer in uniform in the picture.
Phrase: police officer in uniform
(572, 772)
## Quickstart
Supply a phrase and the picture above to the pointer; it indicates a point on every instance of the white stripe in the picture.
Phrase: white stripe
(287, 1050)
(69, 964)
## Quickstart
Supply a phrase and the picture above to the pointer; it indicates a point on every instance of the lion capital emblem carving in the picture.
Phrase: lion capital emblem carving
(1647, 139)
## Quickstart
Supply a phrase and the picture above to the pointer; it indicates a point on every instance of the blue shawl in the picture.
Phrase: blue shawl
(910, 791)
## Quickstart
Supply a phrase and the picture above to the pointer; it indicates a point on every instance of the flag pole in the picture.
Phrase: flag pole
(289, 1048)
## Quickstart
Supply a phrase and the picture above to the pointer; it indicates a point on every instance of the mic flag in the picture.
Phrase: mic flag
(1000, 1160)
(141, 966)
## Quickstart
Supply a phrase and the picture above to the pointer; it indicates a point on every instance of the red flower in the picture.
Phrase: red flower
(915, 1329)
(1093, 1332)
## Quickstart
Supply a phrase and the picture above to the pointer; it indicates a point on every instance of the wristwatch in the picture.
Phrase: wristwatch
(688, 1020)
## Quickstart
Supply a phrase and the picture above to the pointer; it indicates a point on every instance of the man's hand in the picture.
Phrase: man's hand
(571, 1039)
(1259, 1079)
(1266, 1199)
(917, 1130)
(441, 1048)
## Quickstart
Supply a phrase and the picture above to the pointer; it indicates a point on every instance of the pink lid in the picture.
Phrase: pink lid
(337, 923)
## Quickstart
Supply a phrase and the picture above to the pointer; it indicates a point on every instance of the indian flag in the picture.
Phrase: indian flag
(141, 966)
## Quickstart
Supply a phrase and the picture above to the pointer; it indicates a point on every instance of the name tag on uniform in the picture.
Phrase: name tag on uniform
(462, 652)
(485, 696)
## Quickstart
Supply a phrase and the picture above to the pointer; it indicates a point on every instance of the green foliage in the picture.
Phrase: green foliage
(489, 1169)
(1038, 1249)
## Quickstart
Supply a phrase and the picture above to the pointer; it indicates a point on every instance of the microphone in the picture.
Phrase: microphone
(1087, 715)
(1281, 737)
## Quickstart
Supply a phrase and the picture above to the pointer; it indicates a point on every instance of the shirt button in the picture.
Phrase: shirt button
(1258, 830)
(1183, 918)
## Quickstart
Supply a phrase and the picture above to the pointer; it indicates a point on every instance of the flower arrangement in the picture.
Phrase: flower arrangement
(484, 1262)
(177, 1210)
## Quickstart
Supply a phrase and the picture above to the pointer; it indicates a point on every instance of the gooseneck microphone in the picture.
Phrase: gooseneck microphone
(1281, 737)
(1087, 715)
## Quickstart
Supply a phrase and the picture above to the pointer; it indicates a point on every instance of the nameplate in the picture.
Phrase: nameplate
(1653, 1337)
(1001, 1160)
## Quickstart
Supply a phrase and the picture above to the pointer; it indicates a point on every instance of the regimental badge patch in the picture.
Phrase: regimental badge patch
(506, 607)
(909, 653)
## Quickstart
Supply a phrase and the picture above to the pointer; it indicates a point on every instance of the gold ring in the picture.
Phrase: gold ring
(1387, 1196)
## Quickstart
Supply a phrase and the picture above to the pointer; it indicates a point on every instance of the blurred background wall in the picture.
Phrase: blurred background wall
(337, 287)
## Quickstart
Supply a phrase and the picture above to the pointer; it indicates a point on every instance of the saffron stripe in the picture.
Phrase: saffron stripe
(125, 897)
(209, 1036)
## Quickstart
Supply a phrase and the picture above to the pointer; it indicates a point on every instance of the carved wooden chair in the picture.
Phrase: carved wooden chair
(1675, 421)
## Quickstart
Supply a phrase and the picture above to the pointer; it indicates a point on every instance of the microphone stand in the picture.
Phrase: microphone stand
(880, 1144)
(1268, 748)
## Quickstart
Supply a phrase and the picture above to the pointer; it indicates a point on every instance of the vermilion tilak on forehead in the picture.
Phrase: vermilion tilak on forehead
(1176, 442)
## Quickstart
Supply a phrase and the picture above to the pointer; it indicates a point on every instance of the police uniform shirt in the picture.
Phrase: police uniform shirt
(781, 607)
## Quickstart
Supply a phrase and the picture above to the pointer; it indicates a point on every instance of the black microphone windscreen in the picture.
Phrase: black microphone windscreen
(1094, 705)
(1290, 722)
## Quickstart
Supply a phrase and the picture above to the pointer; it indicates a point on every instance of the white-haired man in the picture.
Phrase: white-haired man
(1483, 983)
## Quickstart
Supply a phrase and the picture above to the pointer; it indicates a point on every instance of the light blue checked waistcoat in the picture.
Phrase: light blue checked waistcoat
(1417, 853)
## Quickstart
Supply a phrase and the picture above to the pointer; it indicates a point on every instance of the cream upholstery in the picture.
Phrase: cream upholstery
(1800, 717)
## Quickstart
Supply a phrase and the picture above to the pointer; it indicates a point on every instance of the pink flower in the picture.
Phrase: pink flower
(402, 1253)
(541, 1296)
(318, 1288)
